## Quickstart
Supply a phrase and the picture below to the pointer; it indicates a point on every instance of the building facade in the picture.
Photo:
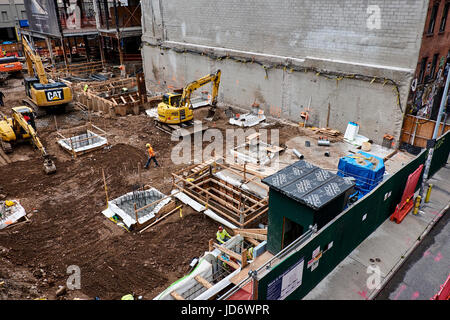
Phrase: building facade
(11, 13)
(352, 60)
(435, 47)
(429, 79)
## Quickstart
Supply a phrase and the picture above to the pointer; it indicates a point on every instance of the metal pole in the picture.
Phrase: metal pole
(435, 132)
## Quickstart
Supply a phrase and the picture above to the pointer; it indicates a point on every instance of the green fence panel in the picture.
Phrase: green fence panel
(342, 235)
(440, 153)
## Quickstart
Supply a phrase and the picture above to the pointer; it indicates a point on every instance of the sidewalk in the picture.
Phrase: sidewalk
(387, 247)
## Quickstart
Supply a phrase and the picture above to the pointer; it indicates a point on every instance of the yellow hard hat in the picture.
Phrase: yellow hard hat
(148, 145)
(9, 203)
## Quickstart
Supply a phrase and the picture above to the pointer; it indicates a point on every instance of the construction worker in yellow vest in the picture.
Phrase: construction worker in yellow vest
(222, 235)
(151, 155)
(250, 253)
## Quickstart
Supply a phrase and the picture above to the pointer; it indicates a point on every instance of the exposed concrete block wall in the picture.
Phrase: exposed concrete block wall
(326, 50)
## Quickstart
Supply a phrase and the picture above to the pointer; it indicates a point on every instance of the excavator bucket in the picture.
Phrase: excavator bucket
(49, 166)
(211, 114)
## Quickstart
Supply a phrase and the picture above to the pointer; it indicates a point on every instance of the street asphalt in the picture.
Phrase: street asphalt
(425, 270)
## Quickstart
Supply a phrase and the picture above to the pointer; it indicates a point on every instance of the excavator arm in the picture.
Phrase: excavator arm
(191, 87)
(34, 62)
(18, 118)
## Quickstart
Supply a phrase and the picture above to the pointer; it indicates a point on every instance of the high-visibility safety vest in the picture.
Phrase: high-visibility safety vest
(151, 153)
(221, 235)
(127, 297)
(250, 253)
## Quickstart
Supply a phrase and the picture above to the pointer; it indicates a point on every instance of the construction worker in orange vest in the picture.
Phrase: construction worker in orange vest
(151, 155)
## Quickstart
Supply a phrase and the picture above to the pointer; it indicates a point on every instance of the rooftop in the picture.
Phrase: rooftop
(308, 184)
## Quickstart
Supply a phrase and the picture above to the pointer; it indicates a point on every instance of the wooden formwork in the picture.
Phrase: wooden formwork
(84, 128)
(76, 69)
(232, 203)
(109, 96)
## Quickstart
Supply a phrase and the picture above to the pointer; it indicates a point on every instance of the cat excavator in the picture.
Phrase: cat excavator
(40, 92)
(21, 127)
(176, 111)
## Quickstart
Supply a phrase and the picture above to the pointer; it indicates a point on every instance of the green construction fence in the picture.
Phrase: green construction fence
(344, 233)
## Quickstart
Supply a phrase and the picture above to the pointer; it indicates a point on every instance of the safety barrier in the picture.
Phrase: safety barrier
(444, 293)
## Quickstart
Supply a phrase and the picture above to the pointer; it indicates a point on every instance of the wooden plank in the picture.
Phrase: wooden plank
(227, 251)
(203, 281)
(176, 295)
(254, 230)
(257, 263)
(229, 262)
(252, 241)
(274, 149)
(252, 235)
(160, 219)
(256, 216)
(252, 136)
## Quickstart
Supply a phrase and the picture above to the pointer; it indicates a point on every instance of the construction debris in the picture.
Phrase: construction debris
(11, 212)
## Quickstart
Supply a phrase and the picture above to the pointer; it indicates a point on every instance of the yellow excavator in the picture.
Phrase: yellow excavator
(21, 127)
(40, 92)
(176, 109)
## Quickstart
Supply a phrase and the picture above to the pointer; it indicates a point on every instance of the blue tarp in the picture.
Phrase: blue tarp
(367, 176)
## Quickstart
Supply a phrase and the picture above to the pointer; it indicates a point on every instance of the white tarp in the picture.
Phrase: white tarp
(248, 120)
(113, 209)
(85, 145)
(9, 215)
(188, 200)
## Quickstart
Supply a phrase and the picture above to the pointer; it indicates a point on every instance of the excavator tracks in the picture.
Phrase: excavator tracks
(5, 148)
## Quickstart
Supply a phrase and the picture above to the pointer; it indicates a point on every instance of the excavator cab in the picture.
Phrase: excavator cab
(171, 111)
(28, 115)
(28, 82)
(172, 99)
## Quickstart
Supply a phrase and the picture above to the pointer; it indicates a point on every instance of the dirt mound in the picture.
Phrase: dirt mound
(67, 228)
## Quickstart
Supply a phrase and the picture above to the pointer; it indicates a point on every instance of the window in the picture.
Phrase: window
(4, 15)
(433, 65)
(423, 65)
(444, 17)
(434, 11)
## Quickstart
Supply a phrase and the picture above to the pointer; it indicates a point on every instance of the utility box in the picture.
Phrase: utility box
(302, 195)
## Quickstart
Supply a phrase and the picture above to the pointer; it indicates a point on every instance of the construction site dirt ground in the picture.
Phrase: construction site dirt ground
(66, 224)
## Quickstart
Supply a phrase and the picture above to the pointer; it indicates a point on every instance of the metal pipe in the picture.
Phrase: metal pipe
(298, 154)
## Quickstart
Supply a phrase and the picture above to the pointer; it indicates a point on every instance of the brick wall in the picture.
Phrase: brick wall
(437, 42)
